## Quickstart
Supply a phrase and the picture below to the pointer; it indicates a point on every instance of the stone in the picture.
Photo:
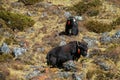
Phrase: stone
(79, 18)
(18, 51)
(117, 34)
(67, 14)
(103, 65)
(92, 42)
(17, 4)
(43, 4)
(105, 38)
(44, 14)
(75, 76)
(33, 74)
(64, 75)
(69, 66)
(4, 48)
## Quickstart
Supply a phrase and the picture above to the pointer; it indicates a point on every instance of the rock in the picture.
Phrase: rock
(103, 65)
(18, 51)
(64, 75)
(44, 14)
(29, 13)
(4, 48)
(116, 35)
(33, 74)
(79, 18)
(67, 14)
(62, 43)
(43, 4)
(105, 38)
(41, 49)
(17, 4)
(94, 52)
(92, 42)
(75, 76)
(69, 66)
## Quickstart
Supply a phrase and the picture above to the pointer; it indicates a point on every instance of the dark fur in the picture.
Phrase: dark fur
(58, 55)
(73, 26)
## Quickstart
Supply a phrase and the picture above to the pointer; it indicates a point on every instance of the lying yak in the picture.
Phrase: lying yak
(71, 27)
(71, 51)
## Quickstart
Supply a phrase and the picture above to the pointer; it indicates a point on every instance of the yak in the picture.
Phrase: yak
(71, 51)
(71, 27)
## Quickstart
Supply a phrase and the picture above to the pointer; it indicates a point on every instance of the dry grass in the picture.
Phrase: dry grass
(45, 31)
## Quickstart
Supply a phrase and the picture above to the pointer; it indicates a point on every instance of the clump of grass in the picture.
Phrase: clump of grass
(116, 22)
(100, 75)
(84, 6)
(113, 53)
(16, 21)
(93, 12)
(30, 2)
(10, 40)
(2, 23)
(98, 27)
(5, 57)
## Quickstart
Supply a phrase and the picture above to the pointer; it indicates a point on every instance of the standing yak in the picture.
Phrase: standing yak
(71, 51)
(71, 27)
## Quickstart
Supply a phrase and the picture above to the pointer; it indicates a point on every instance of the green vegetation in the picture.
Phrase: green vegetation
(84, 6)
(98, 27)
(16, 21)
(30, 2)
(116, 22)
(2, 23)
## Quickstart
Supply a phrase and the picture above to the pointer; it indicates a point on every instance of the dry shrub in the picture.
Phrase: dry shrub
(98, 27)
(16, 21)
(84, 6)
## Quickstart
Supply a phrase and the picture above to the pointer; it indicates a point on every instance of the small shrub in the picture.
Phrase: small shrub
(116, 22)
(16, 21)
(98, 27)
(80, 8)
(94, 3)
(30, 2)
(84, 6)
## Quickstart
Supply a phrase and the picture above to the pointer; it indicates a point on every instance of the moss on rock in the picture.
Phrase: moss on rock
(16, 21)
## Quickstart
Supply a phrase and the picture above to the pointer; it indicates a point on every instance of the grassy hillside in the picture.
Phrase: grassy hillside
(45, 20)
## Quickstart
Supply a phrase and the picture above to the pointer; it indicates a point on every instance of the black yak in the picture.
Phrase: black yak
(71, 27)
(71, 51)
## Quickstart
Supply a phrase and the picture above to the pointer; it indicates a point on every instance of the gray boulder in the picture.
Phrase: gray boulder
(69, 66)
(4, 48)
(18, 51)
